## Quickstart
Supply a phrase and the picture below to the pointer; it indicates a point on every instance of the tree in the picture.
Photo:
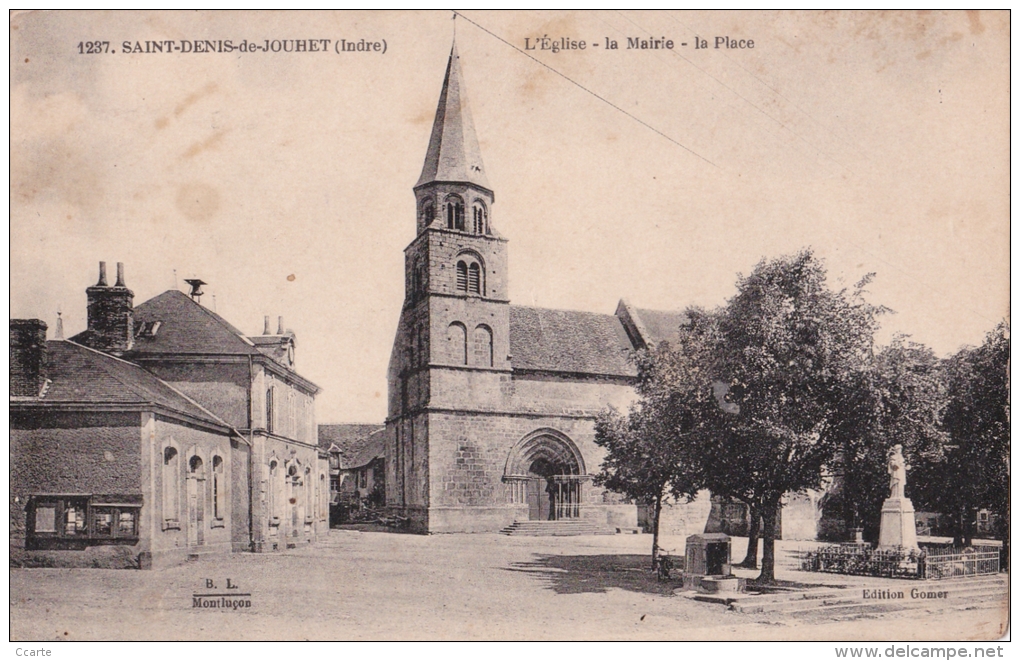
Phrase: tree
(648, 451)
(970, 469)
(790, 350)
(899, 400)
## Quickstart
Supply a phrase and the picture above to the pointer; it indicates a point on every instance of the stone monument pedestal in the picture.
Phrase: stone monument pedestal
(897, 526)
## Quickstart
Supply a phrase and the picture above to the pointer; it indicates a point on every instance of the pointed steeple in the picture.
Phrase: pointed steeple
(453, 154)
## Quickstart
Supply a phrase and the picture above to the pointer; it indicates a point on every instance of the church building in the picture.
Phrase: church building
(491, 405)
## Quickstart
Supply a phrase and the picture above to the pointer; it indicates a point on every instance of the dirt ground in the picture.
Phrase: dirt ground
(360, 585)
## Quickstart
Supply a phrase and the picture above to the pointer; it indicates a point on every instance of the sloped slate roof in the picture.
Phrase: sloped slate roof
(352, 439)
(374, 447)
(661, 326)
(569, 341)
(79, 375)
(187, 328)
(453, 154)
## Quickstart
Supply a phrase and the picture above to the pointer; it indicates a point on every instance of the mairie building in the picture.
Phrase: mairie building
(158, 434)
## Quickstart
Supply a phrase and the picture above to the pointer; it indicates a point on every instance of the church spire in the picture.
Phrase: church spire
(453, 154)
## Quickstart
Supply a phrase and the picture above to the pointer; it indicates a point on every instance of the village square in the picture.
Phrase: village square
(770, 468)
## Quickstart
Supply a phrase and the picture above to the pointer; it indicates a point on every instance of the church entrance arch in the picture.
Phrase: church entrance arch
(544, 471)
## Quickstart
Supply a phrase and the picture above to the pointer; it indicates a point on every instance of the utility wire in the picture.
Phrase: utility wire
(579, 85)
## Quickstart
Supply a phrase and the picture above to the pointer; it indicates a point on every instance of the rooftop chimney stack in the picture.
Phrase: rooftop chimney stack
(59, 333)
(279, 326)
(28, 357)
(110, 312)
(265, 328)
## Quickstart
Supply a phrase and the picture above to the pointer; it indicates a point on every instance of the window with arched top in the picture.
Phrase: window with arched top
(171, 488)
(482, 345)
(469, 276)
(455, 212)
(428, 211)
(218, 497)
(419, 279)
(479, 218)
(456, 343)
(272, 492)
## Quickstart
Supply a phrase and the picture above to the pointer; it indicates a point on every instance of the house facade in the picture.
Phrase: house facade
(159, 433)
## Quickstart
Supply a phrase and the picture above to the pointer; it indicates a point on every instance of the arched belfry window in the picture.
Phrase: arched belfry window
(455, 212)
(469, 276)
(479, 218)
(483, 346)
(428, 211)
(474, 278)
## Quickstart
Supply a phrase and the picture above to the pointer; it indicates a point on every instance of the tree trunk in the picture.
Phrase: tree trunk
(655, 532)
(960, 527)
(751, 557)
(768, 549)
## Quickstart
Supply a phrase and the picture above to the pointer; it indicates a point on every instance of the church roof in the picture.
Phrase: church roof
(569, 341)
(185, 327)
(660, 325)
(453, 154)
(83, 376)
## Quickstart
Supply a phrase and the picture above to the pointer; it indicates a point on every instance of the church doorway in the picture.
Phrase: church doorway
(539, 492)
(545, 472)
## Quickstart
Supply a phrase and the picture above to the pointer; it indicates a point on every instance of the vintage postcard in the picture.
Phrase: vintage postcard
(614, 325)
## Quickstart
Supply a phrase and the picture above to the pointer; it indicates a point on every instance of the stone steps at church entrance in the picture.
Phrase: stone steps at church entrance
(560, 528)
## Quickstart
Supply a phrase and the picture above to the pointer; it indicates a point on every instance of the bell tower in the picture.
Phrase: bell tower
(456, 270)
(453, 339)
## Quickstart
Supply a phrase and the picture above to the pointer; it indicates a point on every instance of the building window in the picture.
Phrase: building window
(428, 212)
(419, 280)
(479, 220)
(218, 496)
(483, 346)
(291, 414)
(474, 278)
(469, 276)
(455, 212)
(274, 495)
(456, 343)
(78, 521)
(171, 489)
(363, 478)
(269, 411)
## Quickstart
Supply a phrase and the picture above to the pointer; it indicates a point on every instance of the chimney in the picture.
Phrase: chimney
(28, 357)
(265, 328)
(111, 320)
(279, 326)
(59, 334)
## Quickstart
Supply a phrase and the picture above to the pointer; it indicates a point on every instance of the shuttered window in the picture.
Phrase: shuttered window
(474, 279)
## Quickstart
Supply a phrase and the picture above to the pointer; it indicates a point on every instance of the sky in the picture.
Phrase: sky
(878, 139)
